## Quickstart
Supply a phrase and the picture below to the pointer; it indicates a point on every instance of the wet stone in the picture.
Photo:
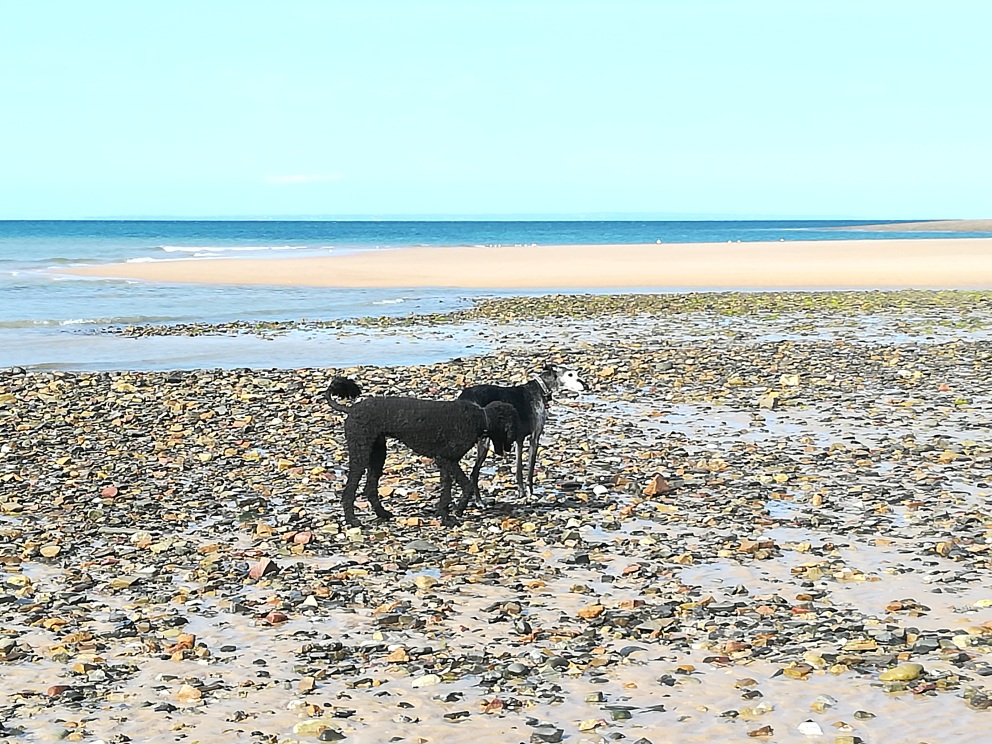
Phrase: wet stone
(903, 672)
(421, 546)
(550, 734)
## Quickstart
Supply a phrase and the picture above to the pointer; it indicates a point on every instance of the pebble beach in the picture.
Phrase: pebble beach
(767, 519)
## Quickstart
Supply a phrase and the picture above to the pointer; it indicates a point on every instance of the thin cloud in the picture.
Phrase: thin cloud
(303, 178)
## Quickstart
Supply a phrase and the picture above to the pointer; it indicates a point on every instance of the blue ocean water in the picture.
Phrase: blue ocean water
(48, 318)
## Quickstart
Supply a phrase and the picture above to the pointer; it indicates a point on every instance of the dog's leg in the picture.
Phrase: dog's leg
(532, 460)
(519, 447)
(481, 451)
(468, 489)
(358, 456)
(377, 459)
(444, 505)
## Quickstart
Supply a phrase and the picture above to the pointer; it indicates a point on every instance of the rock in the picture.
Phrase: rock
(822, 703)
(550, 734)
(303, 538)
(426, 680)
(655, 486)
(769, 400)
(590, 612)
(762, 732)
(189, 694)
(905, 672)
(263, 567)
(810, 728)
(422, 546)
(314, 727)
(425, 582)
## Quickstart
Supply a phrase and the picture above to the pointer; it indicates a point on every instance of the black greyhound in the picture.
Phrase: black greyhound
(443, 430)
(531, 403)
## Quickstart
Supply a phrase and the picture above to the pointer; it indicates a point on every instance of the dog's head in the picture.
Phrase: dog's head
(343, 387)
(504, 426)
(557, 378)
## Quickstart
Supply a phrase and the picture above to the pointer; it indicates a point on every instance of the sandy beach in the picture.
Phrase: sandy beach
(931, 263)
(766, 519)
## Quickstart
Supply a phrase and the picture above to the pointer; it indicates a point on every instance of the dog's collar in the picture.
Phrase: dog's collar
(486, 414)
(543, 385)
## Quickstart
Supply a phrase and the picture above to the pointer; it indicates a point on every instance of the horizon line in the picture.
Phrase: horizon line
(550, 217)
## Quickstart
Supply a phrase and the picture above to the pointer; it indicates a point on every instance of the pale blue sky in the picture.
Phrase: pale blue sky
(671, 108)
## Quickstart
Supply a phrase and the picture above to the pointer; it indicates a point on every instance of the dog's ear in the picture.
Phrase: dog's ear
(507, 427)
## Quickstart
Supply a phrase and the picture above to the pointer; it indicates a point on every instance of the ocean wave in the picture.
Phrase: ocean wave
(66, 261)
(389, 302)
(150, 259)
(229, 248)
(63, 322)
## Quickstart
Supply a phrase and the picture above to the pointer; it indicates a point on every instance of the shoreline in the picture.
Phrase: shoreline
(904, 263)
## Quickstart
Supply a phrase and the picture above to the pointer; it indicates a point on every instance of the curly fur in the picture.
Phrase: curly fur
(443, 430)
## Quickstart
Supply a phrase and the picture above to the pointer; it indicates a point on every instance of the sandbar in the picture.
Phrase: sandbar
(928, 226)
(949, 263)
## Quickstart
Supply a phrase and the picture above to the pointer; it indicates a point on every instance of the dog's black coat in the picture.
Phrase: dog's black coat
(443, 430)
(530, 401)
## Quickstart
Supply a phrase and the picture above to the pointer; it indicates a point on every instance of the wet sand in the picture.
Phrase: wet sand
(932, 263)
(762, 509)
(931, 226)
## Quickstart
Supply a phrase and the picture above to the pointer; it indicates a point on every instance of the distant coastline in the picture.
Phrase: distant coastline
(928, 226)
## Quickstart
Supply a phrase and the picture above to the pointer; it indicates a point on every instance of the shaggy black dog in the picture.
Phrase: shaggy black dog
(443, 430)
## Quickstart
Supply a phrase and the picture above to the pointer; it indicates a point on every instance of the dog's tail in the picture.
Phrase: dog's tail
(341, 387)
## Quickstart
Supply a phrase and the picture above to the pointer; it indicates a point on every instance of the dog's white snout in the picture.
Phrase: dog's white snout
(570, 381)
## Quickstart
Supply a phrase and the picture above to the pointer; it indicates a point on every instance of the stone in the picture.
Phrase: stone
(549, 734)
(810, 728)
(904, 672)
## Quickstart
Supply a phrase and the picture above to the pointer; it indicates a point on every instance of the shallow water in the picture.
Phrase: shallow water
(292, 350)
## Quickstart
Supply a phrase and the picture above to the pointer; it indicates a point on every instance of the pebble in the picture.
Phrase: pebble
(208, 502)
(903, 672)
(550, 734)
(810, 728)
(427, 680)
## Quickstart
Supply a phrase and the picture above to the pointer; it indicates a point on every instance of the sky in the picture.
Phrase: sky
(678, 109)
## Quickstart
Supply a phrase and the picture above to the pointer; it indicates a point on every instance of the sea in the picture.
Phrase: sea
(52, 320)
